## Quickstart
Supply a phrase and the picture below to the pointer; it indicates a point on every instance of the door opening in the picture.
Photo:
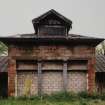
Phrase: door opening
(3, 84)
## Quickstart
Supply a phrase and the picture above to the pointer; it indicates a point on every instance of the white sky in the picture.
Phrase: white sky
(88, 16)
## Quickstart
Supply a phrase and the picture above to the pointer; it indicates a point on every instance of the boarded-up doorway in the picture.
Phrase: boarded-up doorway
(52, 77)
(3, 84)
(27, 83)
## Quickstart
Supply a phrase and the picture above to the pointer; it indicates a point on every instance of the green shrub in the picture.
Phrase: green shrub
(83, 94)
(83, 103)
(21, 98)
(61, 96)
(35, 97)
(94, 95)
(11, 98)
(102, 96)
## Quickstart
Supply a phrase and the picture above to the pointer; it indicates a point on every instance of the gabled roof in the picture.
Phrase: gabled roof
(70, 39)
(52, 11)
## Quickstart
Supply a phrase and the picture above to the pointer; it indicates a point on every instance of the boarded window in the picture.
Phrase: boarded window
(26, 65)
(52, 30)
(52, 66)
(77, 65)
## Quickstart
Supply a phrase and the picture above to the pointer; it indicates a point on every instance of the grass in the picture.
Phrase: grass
(61, 98)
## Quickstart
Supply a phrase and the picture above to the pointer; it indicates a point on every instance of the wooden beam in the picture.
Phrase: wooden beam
(39, 78)
(65, 75)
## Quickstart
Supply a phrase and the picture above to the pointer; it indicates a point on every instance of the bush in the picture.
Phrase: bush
(83, 94)
(61, 96)
(28, 97)
(94, 95)
(21, 98)
(102, 96)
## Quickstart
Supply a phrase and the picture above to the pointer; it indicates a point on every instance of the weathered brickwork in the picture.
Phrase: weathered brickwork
(52, 66)
(91, 75)
(52, 52)
(62, 61)
(77, 81)
(27, 83)
(11, 76)
(52, 82)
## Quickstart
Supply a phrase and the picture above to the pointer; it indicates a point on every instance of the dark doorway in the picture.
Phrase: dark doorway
(3, 84)
(100, 82)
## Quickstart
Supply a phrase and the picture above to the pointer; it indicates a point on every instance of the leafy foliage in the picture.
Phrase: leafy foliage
(100, 49)
(3, 49)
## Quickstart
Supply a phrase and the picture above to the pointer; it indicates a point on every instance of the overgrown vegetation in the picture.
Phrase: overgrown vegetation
(61, 98)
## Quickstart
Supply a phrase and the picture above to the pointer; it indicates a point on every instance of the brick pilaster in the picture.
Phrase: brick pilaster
(91, 75)
(11, 76)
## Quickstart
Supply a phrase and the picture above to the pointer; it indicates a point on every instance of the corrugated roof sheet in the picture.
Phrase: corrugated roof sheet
(100, 63)
(3, 63)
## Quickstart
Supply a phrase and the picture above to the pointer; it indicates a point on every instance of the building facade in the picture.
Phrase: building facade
(50, 60)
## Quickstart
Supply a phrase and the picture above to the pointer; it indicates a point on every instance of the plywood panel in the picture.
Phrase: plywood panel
(77, 65)
(26, 65)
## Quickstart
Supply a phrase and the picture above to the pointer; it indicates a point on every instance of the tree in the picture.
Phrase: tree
(3, 49)
(100, 49)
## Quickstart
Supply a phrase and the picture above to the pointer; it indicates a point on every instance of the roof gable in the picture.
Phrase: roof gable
(65, 38)
(52, 15)
(53, 12)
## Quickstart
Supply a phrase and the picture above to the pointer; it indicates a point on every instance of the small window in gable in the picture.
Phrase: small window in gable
(52, 27)
(52, 30)
(52, 23)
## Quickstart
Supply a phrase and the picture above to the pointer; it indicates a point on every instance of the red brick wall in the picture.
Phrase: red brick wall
(11, 76)
(50, 52)
(91, 75)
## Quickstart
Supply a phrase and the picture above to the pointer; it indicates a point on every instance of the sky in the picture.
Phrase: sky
(88, 16)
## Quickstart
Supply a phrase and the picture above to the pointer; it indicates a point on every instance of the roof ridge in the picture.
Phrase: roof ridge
(49, 12)
(83, 36)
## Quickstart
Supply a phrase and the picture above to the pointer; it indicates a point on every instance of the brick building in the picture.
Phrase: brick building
(50, 59)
